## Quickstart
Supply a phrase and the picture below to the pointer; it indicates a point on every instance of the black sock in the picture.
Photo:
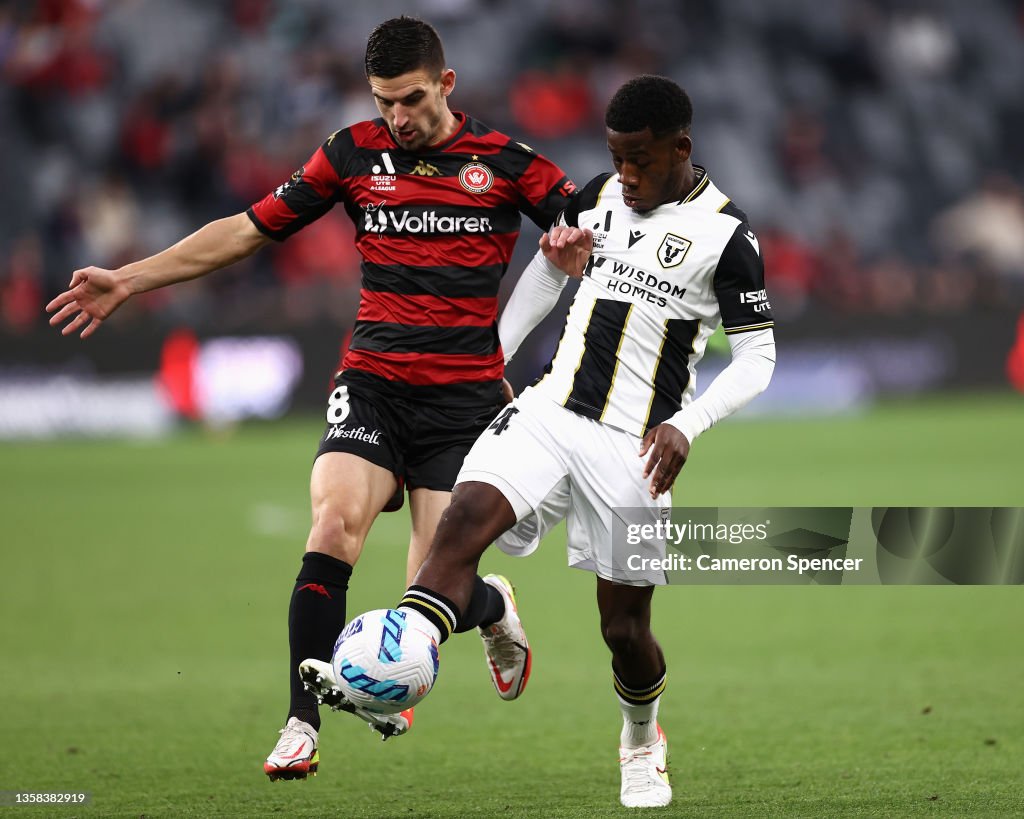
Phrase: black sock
(485, 608)
(316, 615)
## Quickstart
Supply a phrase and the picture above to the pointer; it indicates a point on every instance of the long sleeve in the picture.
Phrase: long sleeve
(535, 294)
(746, 377)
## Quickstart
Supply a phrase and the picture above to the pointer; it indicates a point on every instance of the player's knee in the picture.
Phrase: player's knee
(464, 526)
(338, 529)
(624, 633)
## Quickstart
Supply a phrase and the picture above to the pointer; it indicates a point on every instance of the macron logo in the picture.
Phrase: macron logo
(750, 237)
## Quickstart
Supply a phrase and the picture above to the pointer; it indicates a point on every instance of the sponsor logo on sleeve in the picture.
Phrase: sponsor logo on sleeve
(758, 298)
(281, 190)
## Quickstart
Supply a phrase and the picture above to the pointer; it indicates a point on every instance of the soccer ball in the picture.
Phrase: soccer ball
(383, 662)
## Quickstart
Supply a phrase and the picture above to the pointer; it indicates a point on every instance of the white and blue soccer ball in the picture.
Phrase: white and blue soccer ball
(385, 663)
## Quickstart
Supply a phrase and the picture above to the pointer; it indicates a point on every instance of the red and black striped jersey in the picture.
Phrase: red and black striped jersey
(435, 229)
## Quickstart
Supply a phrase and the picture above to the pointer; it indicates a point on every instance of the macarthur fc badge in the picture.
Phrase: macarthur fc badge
(672, 250)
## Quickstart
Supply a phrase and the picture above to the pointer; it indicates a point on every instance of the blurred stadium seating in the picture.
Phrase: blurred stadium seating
(874, 145)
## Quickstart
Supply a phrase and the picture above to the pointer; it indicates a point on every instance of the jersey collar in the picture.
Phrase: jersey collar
(703, 183)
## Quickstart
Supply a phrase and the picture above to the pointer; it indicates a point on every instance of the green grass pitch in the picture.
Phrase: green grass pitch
(143, 595)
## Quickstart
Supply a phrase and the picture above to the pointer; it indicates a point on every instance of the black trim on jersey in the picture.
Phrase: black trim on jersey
(703, 182)
(593, 379)
(738, 281)
(730, 209)
(447, 282)
(673, 371)
(296, 224)
(586, 199)
(387, 337)
(545, 213)
(468, 397)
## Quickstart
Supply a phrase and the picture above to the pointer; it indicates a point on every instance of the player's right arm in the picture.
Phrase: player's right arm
(94, 293)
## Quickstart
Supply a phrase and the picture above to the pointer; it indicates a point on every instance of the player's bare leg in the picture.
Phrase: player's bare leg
(639, 674)
(449, 593)
(478, 513)
(426, 506)
(346, 493)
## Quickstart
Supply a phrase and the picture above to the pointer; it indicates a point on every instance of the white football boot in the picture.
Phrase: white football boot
(318, 678)
(509, 658)
(295, 756)
(645, 774)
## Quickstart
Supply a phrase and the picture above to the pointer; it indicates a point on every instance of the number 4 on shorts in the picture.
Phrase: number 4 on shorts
(501, 422)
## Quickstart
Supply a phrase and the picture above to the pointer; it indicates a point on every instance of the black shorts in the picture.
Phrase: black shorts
(423, 442)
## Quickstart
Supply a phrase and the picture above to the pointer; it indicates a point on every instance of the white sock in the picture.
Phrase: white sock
(639, 724)
(417, 620)
(639, 712)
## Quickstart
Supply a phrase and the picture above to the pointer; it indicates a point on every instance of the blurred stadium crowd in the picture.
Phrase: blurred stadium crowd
(875, 145)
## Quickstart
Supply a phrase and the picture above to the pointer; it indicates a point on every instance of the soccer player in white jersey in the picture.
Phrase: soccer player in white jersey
(665, 258)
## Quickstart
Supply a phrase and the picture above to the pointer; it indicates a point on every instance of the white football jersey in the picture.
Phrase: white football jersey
(656, 287)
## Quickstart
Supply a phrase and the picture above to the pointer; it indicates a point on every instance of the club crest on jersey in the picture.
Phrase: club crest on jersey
(476, 178)
(672, 250)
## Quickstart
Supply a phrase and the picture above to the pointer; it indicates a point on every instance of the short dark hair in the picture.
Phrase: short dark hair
(649, 101)
(403, 44)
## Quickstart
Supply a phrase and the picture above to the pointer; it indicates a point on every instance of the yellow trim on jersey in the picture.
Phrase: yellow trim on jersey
(701, 187)
(600, 193)
(654, 370)
(583, 338)
(726, 202)
(654, 374)
(765, 326)
(618, 361)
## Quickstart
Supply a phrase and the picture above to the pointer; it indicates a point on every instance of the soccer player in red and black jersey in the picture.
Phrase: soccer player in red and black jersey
(436, 198)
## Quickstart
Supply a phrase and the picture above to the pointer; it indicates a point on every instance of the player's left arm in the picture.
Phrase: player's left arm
(534, 296)
(563, 253)
(746, 316)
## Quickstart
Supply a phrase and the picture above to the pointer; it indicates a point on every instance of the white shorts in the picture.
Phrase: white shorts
(550, 464)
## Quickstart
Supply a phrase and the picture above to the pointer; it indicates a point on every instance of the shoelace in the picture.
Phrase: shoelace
(503, 648)
(291, 739)
(636, 769)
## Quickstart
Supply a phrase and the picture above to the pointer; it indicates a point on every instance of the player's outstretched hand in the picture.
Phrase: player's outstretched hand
(669, 449)
(568, 248)
(92, 295)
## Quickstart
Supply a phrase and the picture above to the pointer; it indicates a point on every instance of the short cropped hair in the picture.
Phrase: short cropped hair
(649, 101)
(403, 44)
